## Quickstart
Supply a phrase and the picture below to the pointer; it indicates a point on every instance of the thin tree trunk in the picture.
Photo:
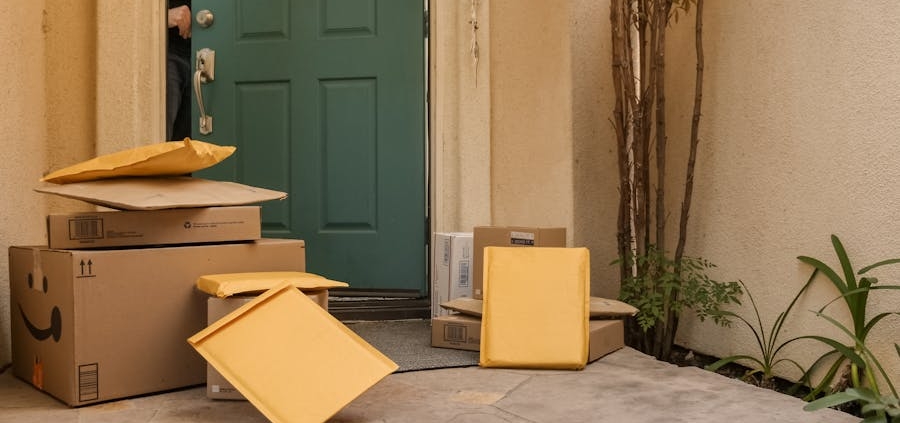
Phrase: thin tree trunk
(661, 15)
(692, 158)
(621, 124)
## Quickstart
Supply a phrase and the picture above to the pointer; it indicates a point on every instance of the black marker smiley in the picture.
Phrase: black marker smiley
(55, 329)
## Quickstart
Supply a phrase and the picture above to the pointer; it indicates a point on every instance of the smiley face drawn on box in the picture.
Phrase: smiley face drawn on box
(54, 329)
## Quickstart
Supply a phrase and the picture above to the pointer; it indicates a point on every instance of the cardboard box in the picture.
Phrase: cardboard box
(456, 331)
(292, 360)
(511, 236)
(217, 387)
(451, 269)
(462, 332)
(606, 336)
(154, 227)
(96, 325)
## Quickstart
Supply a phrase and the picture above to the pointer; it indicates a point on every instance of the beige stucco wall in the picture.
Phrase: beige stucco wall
(23, 134)
(799, 141)
(76, 82)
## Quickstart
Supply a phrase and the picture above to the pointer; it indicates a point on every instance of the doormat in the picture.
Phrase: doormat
(408, 343)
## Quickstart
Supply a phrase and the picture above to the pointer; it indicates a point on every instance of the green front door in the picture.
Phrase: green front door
(324, 100)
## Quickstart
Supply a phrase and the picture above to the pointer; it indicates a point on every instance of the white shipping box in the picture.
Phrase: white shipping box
(451, 269)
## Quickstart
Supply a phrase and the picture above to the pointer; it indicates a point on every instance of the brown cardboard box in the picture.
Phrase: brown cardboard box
(217, 387)
(606, 336)
(96, 325)
(509, 236)
(456, 331)
(153, 227)
(451, 274)
(462, 332)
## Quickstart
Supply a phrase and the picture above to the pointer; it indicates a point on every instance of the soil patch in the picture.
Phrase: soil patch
(684, 357)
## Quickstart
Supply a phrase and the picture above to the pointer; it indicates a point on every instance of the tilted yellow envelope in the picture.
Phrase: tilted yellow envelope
(159, 159)
(536, 308)
(227, 284)
(290, 358)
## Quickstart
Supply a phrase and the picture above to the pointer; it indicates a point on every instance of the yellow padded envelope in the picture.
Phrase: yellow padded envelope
(536, 308)
(227, 284)
(290, 358)
(159, 159)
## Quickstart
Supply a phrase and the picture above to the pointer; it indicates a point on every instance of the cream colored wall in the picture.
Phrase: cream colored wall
(531, 114)
(78, 80)
(799, 141)
(23, 134)
(595, 168)
(460, 122)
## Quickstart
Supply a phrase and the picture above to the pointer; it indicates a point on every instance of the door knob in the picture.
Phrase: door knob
(205, 18)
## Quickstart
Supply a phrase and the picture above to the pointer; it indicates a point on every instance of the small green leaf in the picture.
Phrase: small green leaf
(830, 401)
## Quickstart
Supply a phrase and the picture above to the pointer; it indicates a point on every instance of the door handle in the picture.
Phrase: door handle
(204, 74)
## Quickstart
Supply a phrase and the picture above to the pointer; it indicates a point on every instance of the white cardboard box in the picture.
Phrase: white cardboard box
(451, 269)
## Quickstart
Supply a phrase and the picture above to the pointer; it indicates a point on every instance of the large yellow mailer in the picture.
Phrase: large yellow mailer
(536, 308)
(159, 159)
(290, 358)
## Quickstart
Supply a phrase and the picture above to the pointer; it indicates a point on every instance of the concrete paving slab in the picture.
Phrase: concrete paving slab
(625, 386)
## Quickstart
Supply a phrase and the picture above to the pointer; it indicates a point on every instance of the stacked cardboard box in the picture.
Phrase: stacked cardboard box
(461, 329)
(451, 273)
(104, 310)
(458, 324)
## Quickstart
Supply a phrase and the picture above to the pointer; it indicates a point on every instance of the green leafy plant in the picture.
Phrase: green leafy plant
(855, 293)
(663, 289)
(769, 348)
(876, 408)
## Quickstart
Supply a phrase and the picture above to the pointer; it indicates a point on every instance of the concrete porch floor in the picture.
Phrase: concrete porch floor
(625, 386)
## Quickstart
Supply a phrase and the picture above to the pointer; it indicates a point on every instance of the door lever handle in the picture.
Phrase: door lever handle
(204, 74)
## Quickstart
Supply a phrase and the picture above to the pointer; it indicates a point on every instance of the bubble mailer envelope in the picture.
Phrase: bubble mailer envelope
(290, 358)
(536, 308)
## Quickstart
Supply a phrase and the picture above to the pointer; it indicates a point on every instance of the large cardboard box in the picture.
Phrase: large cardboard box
(153, 227)
(509, 236)
(217, 387)
(462, 332)
(96, 325)
(451, 269)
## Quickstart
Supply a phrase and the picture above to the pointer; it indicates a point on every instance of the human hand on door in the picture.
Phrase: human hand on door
(181, 17)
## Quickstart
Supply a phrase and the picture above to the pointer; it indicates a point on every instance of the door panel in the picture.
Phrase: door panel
(325, 101)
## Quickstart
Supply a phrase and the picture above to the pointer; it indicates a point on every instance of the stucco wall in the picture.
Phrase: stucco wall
(460, 121)
(77, 82)
(23, 134)
(531, 114)
(799, 142)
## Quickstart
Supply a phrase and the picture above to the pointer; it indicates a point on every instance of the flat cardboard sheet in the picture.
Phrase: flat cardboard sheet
(159, 159)
(154, 193)
(522, 286)
(290, 358)
(228, 284)
(600, 307)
